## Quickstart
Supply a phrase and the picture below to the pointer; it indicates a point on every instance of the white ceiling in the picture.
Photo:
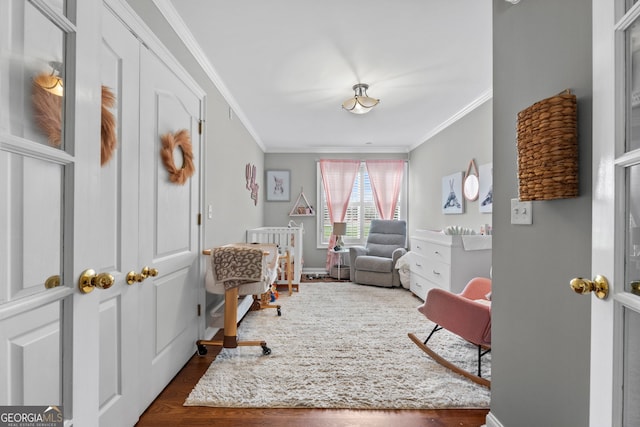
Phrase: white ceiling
(286, 66)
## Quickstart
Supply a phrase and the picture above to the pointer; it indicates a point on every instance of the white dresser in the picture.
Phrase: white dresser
(445, 261)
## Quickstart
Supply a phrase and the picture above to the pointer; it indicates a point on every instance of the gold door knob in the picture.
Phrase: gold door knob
(133, 277)
(635, 287)
(89, 280)
(52, 282)
(146, 272)
(599, 285)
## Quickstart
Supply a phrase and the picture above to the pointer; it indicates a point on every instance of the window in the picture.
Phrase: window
(360, 212)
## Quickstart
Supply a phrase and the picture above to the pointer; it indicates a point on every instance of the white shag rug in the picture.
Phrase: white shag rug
(341, 345)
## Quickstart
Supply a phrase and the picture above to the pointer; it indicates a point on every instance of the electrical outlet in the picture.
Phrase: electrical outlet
(521, 212)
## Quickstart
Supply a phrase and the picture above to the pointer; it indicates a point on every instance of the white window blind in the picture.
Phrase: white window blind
(360, 212)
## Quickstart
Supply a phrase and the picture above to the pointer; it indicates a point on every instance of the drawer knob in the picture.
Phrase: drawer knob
(418, 264)
(436, 273)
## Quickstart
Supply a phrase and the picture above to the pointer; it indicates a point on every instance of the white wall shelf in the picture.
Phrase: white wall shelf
(302, 207)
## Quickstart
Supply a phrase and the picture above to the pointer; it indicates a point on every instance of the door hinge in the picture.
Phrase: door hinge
(200, 125)
(199, 219)
(199, 310)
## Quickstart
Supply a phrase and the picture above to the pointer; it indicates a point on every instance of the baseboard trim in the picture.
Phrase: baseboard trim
(492, 421)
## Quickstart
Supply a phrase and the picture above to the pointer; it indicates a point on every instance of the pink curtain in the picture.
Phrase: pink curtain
(385, 177)
(338, 177)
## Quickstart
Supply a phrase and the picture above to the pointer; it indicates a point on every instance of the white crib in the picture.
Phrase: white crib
(287, 238)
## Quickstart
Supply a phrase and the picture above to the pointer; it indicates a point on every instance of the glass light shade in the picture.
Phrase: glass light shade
(361, 103)
(51, 83)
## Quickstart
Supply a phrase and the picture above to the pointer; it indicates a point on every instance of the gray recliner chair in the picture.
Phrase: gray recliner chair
(374, 264)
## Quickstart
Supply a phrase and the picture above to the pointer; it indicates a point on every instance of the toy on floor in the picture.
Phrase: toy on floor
(273, 293)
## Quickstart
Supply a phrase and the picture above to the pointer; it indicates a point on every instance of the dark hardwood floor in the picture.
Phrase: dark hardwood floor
(167, 410)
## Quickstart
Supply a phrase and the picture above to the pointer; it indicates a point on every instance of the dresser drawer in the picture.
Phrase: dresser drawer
(431, 250)
(436, 271)
(420, 286)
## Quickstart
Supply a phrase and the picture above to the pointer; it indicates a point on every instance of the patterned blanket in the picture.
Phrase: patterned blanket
(237, 265)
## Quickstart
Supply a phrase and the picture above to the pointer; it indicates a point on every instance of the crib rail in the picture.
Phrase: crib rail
(288, 239)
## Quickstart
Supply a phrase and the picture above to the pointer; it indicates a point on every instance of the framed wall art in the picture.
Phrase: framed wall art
(485, 198)
(278, 185)
(452, 199)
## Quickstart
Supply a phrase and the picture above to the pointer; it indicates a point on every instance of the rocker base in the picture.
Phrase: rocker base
(444, 362)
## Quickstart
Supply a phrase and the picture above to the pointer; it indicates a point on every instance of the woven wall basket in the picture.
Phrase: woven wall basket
(548, 149)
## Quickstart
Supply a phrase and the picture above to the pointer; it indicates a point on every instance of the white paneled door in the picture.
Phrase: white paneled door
(615, 319)
(48, 161)
(168, 228)
(150, 232)
(105, 354)
(117, 214)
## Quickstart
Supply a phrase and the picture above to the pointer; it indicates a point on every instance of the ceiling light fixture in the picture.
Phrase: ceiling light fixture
(361, 102)
(52, 83)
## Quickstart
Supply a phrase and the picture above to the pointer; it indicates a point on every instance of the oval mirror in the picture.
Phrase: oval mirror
(471, 187)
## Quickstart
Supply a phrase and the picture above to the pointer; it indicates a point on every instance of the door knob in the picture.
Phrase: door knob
(89, 280)
(599, 285)
(133, 277)
(146, 271)
(52, 282)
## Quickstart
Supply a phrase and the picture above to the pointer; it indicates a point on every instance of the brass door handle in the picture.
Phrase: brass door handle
(599, 285)
(635, 287)
(89, 280)
(52, 282)
(133, 277)
(146, 271)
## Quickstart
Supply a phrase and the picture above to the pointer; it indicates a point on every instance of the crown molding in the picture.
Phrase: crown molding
(165, 7)
(484, 97)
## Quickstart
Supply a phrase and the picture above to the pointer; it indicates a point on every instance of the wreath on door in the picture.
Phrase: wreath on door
(108, 139)
(170, 142)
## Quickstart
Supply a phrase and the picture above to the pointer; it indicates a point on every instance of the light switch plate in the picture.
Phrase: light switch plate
(521, 213)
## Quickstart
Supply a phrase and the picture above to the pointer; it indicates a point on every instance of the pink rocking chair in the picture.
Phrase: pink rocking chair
(467, 315)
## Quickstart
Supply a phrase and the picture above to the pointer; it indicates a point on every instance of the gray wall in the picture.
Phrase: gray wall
(540, 348)
(303, 176)
(449, 151)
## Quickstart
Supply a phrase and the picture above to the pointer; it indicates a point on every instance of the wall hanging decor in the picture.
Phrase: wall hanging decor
(48, 116)
(452, 199)
(252, 185)
(485, 198)
(301, 207)
(471, 185)
(278, 185)
(170, 142)
(548, 149)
